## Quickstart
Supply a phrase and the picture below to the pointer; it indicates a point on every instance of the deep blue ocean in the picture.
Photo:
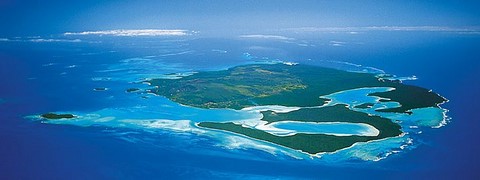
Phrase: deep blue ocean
(59, 76)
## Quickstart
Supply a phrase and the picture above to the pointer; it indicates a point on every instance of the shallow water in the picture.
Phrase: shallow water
(330, 128)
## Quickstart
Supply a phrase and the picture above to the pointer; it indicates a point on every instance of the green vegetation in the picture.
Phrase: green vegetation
(410, 97)
(130, 90)
(57, 116)
(234, 88)
(279, 84)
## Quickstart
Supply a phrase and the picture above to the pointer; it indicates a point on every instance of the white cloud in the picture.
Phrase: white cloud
(39, 40)
(271, 37)
(356, 30)
(134, 32)
(337, 43)
(55, 40)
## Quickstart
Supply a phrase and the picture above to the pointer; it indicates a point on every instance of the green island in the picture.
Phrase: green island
(130, 90)
(298, 86)
(57, 116)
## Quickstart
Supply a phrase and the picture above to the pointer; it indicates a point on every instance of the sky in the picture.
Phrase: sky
(35, 17)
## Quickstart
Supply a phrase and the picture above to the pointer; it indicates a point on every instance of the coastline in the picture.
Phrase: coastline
(280, 109)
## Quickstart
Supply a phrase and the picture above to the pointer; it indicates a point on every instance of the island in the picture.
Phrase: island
(130, 90)
(100, 89)
(57, 116)
(280, 84)
(299, 86)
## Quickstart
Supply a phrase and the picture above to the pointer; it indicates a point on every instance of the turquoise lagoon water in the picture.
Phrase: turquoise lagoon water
(331, 128)
(426, 117)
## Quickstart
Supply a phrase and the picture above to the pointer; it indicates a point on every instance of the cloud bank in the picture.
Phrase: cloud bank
(269, 37)
(134, 32)
(355, 30)
(55, 40)
(39, 40)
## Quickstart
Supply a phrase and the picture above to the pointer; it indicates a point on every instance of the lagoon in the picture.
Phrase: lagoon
(330, 128)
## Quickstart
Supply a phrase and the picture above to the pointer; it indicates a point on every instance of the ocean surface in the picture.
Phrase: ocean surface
(120, 135)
